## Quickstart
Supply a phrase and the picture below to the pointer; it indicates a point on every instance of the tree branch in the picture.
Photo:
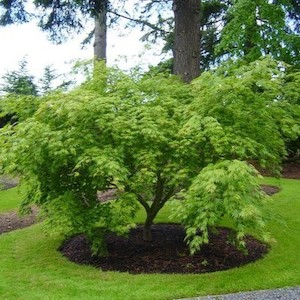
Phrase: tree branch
(144, 203)
(159, 188)
(169, 194)
(152, 26)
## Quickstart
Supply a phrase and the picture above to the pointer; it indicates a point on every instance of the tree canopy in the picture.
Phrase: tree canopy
(258, 28)
(154, 140)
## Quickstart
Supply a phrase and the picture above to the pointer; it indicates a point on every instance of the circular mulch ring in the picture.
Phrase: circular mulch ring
(167, 253)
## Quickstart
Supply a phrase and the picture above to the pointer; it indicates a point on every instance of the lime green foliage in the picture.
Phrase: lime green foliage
(226, 188)
(149, 138)
(21, 107)
(19, 100)
(10, 200)
(255, 105)
(31, 268)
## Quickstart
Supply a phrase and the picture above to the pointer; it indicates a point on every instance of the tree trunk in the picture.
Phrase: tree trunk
(187, 39)
(100, 33)
(147, 235)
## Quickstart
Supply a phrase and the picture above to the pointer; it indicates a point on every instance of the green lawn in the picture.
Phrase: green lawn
(9, 199)
(31, 268)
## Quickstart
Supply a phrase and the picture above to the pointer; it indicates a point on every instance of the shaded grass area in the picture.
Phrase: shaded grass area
(31, 268)
(10, 199)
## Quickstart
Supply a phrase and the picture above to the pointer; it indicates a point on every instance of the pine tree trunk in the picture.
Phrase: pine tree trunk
(187, 39)
(100, 34)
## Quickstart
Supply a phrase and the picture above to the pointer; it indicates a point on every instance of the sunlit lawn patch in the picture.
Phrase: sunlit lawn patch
(31, 268)
(9, 199)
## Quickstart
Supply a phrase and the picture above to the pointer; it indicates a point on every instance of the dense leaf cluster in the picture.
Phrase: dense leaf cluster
(19, 82)
(154, 139)
(260, 27)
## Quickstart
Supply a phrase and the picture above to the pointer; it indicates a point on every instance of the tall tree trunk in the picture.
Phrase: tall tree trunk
(187, 39)
(100, 32)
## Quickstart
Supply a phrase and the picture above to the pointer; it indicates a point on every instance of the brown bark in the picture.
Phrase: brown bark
(100, 34)
(152, 210)
(147, 234)
(151, 214)
(187, 39)
(158, 202)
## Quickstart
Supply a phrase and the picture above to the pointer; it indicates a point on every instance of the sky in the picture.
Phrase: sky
(27, 40)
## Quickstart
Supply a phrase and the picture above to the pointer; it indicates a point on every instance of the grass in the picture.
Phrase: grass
(9, 200)
(31, 268)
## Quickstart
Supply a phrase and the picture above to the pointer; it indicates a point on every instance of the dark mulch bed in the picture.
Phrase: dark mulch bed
(167, 253)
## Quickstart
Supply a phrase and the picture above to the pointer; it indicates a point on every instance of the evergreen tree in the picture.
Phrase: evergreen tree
(61, 18)
(52, 81)
(19, 82)
(186, 39)
(223, 29)
(245, 29)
